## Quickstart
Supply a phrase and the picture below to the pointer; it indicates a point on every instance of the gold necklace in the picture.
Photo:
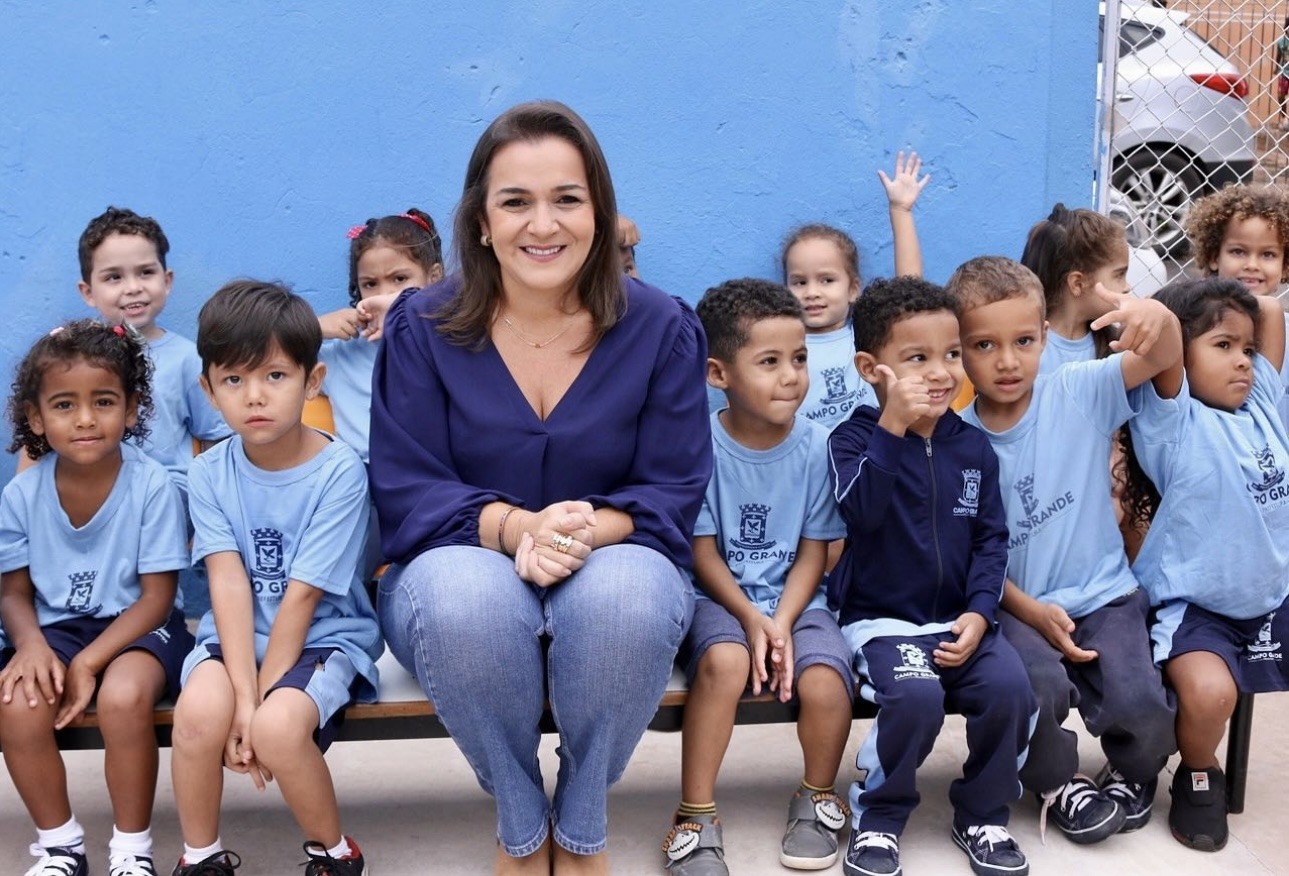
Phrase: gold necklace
(536, 345)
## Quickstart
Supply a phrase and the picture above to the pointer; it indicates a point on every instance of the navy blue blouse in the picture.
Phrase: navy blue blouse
(451, 431)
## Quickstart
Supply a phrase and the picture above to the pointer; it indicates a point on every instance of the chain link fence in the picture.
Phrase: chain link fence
(1193, 97)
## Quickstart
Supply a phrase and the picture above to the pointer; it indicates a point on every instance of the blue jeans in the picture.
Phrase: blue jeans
(489, 649)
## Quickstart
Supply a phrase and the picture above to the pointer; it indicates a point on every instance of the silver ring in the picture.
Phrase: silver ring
(561, 542)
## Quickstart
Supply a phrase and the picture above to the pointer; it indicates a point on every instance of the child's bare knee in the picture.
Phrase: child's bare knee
(282, 726)
(725, 665)
(125, 699)
(822, 684)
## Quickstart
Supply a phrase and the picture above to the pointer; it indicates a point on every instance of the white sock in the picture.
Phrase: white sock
(67, 836)
(137, 844)
(341, 849)
(192, 856)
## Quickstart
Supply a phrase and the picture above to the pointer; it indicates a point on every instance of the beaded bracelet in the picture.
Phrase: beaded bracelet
(501, 529)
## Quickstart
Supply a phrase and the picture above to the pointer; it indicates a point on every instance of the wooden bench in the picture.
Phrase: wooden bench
(403, 712)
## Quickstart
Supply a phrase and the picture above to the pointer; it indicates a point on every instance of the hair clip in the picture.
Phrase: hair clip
(419, 221)
(118, 330)
(56, 330)
(355, 232)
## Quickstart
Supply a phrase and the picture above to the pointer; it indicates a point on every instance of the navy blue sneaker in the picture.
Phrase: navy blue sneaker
(991, 849)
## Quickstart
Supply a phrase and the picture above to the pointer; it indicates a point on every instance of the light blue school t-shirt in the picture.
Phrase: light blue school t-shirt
(760, 503)
(1059, 350)
(1220, 539)
(1064, 544)
(306, 523)
(1283, 404)
(835, 385)
(348, 386)
(180, 409)
(92, 570)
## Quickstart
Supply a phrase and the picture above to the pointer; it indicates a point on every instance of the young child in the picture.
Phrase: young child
(1242, 232)
(759, 550)
(821, 267)
(1072, 608)
(280, 513)
(90, 540)
(386, 256)
(628, 237)
(1071, 251)
(1216, 559)
(124, 277)
(919, 582)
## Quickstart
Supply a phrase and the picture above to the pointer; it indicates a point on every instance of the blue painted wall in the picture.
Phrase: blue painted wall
(258, 133)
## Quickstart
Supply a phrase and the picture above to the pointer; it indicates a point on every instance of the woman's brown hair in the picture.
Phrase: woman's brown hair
(467, 318)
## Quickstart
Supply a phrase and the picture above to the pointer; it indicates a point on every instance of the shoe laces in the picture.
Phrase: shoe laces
(994, 834)
(1070, 797)
(321, 863)
(218, 864)
(126, 864)
(871, 839)
(53, 862)
(1117, 786)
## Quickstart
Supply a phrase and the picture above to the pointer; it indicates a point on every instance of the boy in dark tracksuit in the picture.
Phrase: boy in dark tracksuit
(919, 583)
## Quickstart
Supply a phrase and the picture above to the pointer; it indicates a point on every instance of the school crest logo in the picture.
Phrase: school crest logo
(752, 527)
(1262, 648)
(81, 591)
(1272, 474)
(1025, 489)
(268, 552)
(969, 501)
(835, 386)
(913, 663)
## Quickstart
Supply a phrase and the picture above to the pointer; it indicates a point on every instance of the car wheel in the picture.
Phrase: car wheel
(1161, 185)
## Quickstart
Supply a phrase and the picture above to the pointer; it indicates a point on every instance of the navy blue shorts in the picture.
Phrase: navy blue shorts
(169, 643)
(1252, 649)
(327, 676)
(816, 639)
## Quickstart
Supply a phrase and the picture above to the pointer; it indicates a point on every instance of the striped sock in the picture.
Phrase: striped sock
(810, 789)
(689, 810)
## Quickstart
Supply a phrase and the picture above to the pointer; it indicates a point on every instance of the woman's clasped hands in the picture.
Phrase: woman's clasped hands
(555, 543)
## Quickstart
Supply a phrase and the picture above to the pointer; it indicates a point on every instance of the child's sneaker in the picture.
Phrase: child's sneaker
(1135, 799)
(810, 841)
(1081, 811)
(694, 847)
(122, 864)
(57, 861)
(872, 854)
(991, 849)
(219, 864)
(321, 863)
(1198, 816)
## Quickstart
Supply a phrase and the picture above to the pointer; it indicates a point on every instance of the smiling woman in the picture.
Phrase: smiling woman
(539, 450)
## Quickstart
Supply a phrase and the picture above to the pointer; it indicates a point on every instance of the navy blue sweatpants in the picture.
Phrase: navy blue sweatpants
(991, 690)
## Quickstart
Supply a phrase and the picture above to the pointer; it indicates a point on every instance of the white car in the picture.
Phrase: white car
(1180, 124)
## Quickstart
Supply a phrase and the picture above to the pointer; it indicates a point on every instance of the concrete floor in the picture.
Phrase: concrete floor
(416, 809)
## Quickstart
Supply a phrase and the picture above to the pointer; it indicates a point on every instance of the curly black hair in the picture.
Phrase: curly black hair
(885, 302)
(118, 220)
(414, 232)
(116, 348)
(727, 312)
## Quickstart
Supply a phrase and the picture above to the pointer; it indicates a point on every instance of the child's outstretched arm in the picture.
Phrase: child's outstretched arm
(1271, 329)
(35, 670)
(289, 633)
(763, 634)
(801, 585)
(231, 600)
(1150, 337)
(340, 324)
(902, 192)
(155, 603)
(371, 314)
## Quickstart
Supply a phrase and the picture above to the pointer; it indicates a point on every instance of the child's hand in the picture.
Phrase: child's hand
(342, 324)
(371, 314)
(1055, 626)
(907, 401)
(782, 667)
(1141, 320)
(764, 638)
(39, 672)
(79, 685)
(239, 756)
(969, 629)
(902, 191)
(628, 233)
